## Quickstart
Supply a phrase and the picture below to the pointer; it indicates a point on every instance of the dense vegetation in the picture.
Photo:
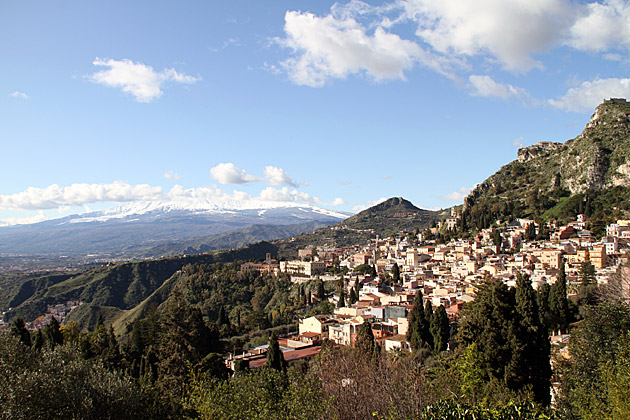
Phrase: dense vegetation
(171, 365)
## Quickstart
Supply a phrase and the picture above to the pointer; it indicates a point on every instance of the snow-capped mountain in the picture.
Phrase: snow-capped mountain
(141, 224)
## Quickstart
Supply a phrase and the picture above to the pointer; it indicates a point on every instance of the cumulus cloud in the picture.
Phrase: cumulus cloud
(518, 142)
(588, 95)
(55, 196)
(368, 204)
(137, 79)
(228, 173)
(277, 176)
(19, 95)
(327, 48)
(173, 176)
(601, 26)
(508, 31)
(284, 194)
(458, 195)
(486, 87)
(338, 202)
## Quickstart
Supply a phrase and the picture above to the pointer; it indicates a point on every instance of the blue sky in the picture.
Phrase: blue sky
(340, 104)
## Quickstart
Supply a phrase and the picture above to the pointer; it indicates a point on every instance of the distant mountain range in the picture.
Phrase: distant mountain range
(144, 229)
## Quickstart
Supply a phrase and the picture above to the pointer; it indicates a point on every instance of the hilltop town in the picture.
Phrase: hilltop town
(377, 281)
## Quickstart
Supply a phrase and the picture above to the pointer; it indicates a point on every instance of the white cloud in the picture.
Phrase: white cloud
(338, 202)
(284, 194)
(39, 217)
(173, 176)
(458, 195)
(386, 177)
(277, 176)
(19, 95)
(368, 204)
(509, 31)
(518, 142)
(228, 173)
(329, 48)
(601, 26)
(138, 79)
(55, 196)
(486, 87)
(588, 95)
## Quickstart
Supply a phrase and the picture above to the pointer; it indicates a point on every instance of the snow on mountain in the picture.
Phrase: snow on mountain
(201, 207)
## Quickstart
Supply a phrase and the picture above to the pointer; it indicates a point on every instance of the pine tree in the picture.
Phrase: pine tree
(275, 359)
(440, 329)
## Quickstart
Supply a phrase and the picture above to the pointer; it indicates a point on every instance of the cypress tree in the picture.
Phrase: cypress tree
(365, 339)
(558, 302)
(321, 292)
(53, 333)
(353, 297)
(533, 351)
(440, 329)
(222, 318)
(275, 359)
(396, 273)
(428, 316)
(418, 328)
(18, 329)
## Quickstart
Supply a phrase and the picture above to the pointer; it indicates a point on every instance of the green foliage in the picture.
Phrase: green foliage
(418, 332)
(60, 384)
(451, 410)
(275, 359)
(257, 394)
(440, 329)
(593, 378)
(512, 342)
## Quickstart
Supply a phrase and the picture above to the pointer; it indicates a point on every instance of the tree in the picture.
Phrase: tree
(275, 359)
(428, 316)
(418, 330)
(222, 318)
(321, 292)
(534, 353)
(530, 232)
(440, 329)
(497, 240)
(53, 333)
(396, 273)
(558, 302)
(342, 293)
(365, 339)
(18, 329)
(373, 271)
(353, 297)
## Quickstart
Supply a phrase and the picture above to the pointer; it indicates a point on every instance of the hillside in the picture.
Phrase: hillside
(391, 216)
(589, 174)
(110, 289)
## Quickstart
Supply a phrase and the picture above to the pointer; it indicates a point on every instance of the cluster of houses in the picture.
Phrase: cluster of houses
(59, 311)
(447, 274)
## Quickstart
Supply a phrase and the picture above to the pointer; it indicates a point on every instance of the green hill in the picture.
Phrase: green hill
(106, 290)
(589, 174)
(389, 217)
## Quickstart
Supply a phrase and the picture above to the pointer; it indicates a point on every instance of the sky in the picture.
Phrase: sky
(337, 104)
